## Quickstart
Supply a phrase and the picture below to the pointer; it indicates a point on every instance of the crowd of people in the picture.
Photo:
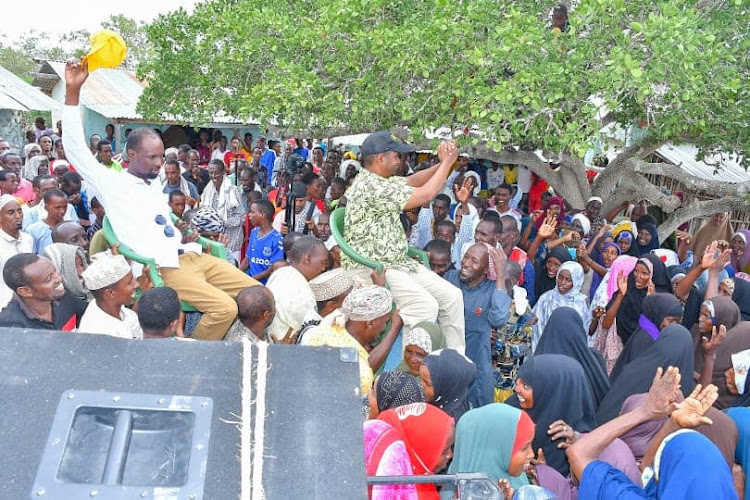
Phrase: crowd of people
(564, 352)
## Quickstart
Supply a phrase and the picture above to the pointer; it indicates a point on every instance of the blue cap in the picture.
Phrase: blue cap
(382, 142)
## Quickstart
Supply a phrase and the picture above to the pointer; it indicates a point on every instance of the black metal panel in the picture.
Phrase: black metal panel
(313, 428)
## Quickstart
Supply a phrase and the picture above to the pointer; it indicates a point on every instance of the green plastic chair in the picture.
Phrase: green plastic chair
(337, 230)
(216, 249)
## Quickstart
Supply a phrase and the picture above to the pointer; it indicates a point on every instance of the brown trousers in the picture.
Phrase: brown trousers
(210, 285)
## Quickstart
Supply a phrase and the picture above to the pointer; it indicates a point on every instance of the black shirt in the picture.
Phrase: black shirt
(66, 314)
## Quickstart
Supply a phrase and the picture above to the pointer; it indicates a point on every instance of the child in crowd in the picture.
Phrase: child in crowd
(265, 245)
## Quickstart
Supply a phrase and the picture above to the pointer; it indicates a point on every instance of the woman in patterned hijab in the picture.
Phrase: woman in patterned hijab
(394, 389)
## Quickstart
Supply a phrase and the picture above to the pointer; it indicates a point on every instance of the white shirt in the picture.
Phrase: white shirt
(295, 302)
(9, 246)
(524, 179)
(95, 320)
(495, 177)
(138, 211)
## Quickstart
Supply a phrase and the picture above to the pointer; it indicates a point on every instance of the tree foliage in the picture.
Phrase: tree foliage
(678, 68)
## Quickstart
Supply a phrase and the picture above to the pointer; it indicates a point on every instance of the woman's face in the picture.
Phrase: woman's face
(624, 244)
(642, 276)
(577, 227)
(521, 459)
(644, 237)
(553, 264)
(608, 256)
(447, 453)
(704, 320)
(554, 210)
(564, 282)
(525, 394)
(738, 245)
(426, 381)
(670, 320)
(33, 152)
(414, 356)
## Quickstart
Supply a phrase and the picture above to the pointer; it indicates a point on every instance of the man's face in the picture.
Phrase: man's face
(318, 263)
(70, 188)
(474, 264)
(439, 263)
(248, 142)
(508, 238)
(193, 161)
(594, 208)
(106, 154)
(257, 152)
(324, 226)
(485, 233)
(255, 215)
(10, 184)
(502, 196)
(46, 144)
(439, 209)
(177, 204)
(246, 179)
(216, 174)
(11, 217)
(235, 144)
(446, 234)
(74, 234)
(277, 148)
(124, 290)
(12, 162)
(39, 123)
(172, 173)
(4, 146)
(299, 204)
(45, 186)
(146, 161)
(463, 163)
(336, 191)
(94, 140)
(262, 143)
(182, 156)
(45, 283)
(61, 170)
(313, 190)
(56, 208)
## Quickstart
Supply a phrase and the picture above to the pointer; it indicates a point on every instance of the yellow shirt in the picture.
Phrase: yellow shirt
(334, 335)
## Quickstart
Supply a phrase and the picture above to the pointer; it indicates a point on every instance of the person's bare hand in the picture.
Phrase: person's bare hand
(115, 249)
(76, 73)
(378, 278)
(462, 193)
(191, 238)
(284, 229)
(144, 280)
(499, 260)
(223, 239)
(690, 412)
(181, 226)
(730, 381)
(190, 201)
(651, 289)
(582, 252)
(539, 459)
(547, 229)
(684, 238)
(560, 430)
(663, 391)
(74, 199)
(710, 255)
(598, 312)
(709, 346)
(622, 283)
(506, 489)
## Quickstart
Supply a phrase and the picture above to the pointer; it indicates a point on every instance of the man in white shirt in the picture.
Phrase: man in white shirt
(138, 211)
(42, 184)
(12, 240)
(111, 281)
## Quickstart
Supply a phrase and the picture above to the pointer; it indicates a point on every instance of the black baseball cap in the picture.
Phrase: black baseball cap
(382, 142)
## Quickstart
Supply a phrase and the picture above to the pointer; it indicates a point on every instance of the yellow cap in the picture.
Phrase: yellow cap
(107, 50)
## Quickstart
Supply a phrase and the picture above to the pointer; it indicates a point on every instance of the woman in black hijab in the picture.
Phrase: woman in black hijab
(564, 334)
(626, 308)
(446, 376)
(674, 347)
(660, 276)
(692, 304)
(657, 312)
(741, 297)
(553, 387)
(546, 270)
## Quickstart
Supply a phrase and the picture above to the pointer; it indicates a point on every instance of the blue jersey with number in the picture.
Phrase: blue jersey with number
(263, 251)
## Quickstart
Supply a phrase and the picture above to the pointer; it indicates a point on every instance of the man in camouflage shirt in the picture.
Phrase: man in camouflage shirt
(372, 227)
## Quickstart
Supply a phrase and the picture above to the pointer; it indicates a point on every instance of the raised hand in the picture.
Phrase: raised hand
(710, 255)
(709, 346)
(664, 391)
(622, 283)
(539, 460)
(76, 73)
(378, 278)
(462, 193)
(690, 412)
(448, 152)
(547, 229)
(498, 260)
(651, 288)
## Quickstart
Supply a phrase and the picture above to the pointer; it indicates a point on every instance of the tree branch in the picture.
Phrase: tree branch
(606, 181)
(699, 209)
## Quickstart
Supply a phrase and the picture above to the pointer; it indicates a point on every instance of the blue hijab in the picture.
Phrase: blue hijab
(690, 468)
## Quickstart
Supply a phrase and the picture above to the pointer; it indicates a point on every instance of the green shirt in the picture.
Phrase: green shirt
(115, 165)
(372, 225)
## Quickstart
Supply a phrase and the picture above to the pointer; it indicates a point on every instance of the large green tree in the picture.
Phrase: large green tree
(492, 72)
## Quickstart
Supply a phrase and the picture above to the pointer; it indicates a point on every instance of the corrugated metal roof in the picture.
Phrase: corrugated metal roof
(726, 168)
(18, 95)
(114, 94)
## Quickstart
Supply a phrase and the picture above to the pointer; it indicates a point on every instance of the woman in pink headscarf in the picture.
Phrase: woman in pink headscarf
(606, 340)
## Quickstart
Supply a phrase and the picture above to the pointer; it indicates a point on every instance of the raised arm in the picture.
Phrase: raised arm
(74, 140)
(448, 154)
